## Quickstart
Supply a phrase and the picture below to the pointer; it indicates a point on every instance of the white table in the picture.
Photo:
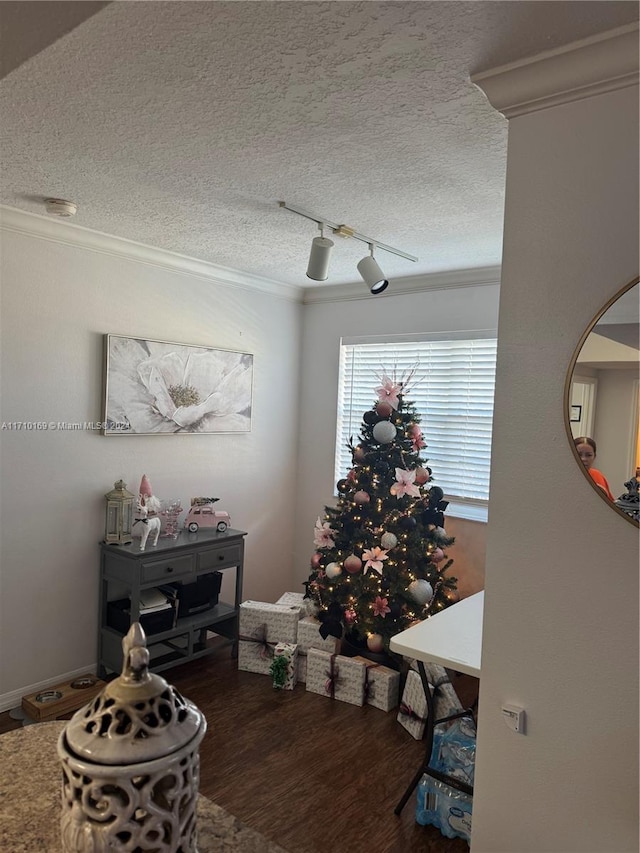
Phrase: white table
(452, 638)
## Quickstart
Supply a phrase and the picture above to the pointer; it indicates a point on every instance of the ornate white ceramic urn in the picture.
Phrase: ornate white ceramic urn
(131, 765)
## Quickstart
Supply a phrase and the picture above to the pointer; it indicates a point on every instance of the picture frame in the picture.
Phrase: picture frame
(575, 414)
(156, 387)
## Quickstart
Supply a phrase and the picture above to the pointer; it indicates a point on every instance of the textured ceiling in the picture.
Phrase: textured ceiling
(181, 124)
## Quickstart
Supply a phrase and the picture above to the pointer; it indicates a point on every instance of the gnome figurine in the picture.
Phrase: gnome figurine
(146, 494)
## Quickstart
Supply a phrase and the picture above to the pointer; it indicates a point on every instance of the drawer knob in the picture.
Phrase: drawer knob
(221, 556)
(169, 568)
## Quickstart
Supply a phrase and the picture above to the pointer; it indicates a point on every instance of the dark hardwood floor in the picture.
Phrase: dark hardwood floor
(311, 774)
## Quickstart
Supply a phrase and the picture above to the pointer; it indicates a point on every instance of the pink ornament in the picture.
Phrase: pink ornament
(315, 560)
(389, 391)
(383, 408)
(350, 616)
(381, 606)
(361, 498)
(353, 564)
(375, 643)
(422, 476)
(352, 475)
(415, 433)
(437, 556)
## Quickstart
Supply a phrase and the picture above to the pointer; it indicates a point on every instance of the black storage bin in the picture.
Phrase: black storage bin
(199, 596)
(119, 617)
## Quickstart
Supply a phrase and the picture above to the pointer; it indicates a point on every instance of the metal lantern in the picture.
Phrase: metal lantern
(130, 764)
(119, 521)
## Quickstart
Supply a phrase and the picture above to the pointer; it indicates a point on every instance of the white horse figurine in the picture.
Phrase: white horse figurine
(149, 525)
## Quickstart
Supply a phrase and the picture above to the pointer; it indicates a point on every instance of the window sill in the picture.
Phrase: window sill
(468, 511)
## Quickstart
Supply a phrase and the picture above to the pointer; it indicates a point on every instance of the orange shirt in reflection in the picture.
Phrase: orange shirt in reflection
(600, 480)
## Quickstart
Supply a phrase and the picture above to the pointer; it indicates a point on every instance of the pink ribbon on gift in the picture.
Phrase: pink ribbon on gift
(332, 678)
(369, 686)
(260, 636)
(407, 711)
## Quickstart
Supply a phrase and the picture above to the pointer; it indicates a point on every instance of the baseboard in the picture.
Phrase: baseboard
(14, 698)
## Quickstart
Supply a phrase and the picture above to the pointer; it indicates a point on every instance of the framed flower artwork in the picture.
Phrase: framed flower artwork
(159, 388)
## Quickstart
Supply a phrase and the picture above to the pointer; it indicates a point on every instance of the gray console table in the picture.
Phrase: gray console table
(125, 572)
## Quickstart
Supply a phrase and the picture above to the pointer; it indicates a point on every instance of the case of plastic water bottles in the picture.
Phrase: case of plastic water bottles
(438, 804)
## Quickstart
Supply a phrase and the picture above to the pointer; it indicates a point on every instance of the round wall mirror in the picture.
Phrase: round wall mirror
(602, 403)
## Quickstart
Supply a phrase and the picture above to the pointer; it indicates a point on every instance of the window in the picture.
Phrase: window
(452, 389)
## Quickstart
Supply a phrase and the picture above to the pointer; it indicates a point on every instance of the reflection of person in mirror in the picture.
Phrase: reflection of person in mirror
(586, 448)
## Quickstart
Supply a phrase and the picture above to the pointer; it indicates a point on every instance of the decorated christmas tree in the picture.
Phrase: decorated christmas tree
(380, 562)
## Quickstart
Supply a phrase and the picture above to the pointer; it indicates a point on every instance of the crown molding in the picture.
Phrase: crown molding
(602, 63)
(46, 228)
(407, 285)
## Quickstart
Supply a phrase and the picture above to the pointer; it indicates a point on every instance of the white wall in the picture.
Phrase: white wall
(450, 308)
(561, 614)
(57, 303)
(616, 426)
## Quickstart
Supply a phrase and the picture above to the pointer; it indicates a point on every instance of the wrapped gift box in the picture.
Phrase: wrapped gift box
(336, 676)
(445, 698)
(290, 652)
(309, 637)
(382, 685)
(294, 599)
(302, 667)
(262, 625)
(412, 714)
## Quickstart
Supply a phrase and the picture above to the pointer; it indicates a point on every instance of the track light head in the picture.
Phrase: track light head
(372, 274)
(319, 257)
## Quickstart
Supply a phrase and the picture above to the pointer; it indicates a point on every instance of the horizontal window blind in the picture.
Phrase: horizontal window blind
(452, 389)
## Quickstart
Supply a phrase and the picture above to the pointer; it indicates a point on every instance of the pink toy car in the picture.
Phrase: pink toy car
(205, 515)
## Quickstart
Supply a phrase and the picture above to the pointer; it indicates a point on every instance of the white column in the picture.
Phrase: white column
(561, 605)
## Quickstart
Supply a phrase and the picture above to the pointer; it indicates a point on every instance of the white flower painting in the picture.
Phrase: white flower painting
(154, 387)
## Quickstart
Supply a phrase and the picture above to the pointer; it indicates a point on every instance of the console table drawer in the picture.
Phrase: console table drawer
(217, 558)
(164, 570)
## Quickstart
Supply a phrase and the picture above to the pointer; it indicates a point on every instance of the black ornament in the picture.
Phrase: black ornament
(342, 486)
(396, 609)
(432, 516)
(435, 494)
(382, 467)
(407, 522)
(371, 418)
(331, 621)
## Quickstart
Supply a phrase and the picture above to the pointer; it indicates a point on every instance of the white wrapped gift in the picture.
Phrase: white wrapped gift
(294, 599)
(302, 667)
(412, 714)
(382, 685)
(445, 698)
(290, 652)
(309, 637)
(262, 625)
(335, 676)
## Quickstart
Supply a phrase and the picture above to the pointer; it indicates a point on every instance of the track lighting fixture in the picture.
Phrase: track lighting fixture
(372, 274)
(318, 266)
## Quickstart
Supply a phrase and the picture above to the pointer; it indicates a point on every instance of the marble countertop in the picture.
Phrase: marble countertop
(30, 801)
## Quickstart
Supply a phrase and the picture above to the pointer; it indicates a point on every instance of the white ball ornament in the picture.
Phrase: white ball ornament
(421, 591)
(388, 540)
(439, 533)
(333, 570)
(384, 432)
